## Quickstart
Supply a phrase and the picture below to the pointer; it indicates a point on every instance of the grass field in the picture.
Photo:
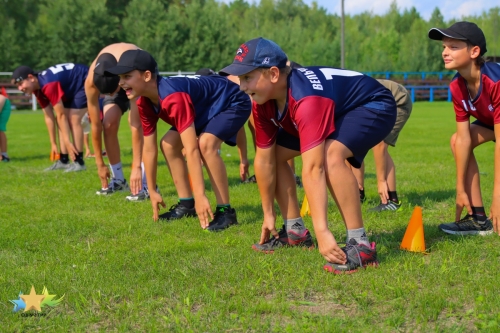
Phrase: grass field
(120, 271)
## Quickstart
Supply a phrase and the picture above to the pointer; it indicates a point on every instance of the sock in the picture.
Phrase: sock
(393, 196)
(479, 213)
(143, 175)
(117, 171)
(362, 195)
(79, 158)
(4, 154)
(222, 208)
(296, 225)
(359, 235)
(64, 158)
(187, 202)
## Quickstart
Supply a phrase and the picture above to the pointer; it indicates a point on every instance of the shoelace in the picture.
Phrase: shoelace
(352, 246)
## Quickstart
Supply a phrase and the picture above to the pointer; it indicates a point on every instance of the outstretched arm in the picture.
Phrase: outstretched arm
(495, 202)
(137, 144)
(62, 122)
(462, 155)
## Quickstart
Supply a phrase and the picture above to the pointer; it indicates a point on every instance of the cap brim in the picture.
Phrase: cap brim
(117, 70)
(237, 69)
(437, 34)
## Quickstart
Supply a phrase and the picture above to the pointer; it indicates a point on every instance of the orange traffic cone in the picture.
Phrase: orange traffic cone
(413, 239)
(305, 208)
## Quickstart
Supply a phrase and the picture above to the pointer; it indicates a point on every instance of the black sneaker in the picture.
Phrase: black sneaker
(358, 256)
(250, 179)
(5, 159)
(390, 205)
(223, 219)
(468, 225)
(286, 239)
(298, 182)
(176, 212)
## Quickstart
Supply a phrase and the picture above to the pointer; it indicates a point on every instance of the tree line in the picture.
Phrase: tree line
(189, 34)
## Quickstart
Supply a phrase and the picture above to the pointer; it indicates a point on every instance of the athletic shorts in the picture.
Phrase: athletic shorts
(359, 129)
(226, 124)
(5, 115)
(79, 101)
(120, 99)
(480, 123)
(404, 111)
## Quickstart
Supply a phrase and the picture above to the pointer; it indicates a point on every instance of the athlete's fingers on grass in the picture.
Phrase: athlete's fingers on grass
(458, 212)
(264, 236)
(155, 212)
(334, 258)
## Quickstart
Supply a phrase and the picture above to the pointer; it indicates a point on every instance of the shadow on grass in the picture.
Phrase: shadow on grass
(32, 158)
(419, 198)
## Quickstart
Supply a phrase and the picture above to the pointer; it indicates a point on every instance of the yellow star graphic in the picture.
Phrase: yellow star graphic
(32, 300)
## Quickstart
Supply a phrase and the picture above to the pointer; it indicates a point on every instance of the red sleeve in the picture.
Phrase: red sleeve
(314, 118)
(148, 118)
(458, 102)
(42, 99)
(495, 102)
(179, 110)
(265, 130)
(53, 91)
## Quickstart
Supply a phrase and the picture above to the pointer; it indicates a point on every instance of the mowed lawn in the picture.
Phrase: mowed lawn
(120, 271)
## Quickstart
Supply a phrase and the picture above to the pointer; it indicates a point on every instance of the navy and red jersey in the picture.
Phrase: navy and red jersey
(61, 82)
(317, 96)
(184, 100)
(485, 107)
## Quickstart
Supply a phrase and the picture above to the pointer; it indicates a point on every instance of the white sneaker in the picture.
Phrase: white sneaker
(141, 196)
(74, 167)
(58, 165)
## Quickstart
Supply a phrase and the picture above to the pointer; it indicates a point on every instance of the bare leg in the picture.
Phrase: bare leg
(110, 126)
(171, 146)
(209, 144)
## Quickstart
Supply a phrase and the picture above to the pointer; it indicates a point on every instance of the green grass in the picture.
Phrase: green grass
(120, 271)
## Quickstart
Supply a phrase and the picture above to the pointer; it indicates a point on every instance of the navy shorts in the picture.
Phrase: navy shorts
(79, 101)
(480, 123)
(120, 99)
(359, 130)
(226, 124)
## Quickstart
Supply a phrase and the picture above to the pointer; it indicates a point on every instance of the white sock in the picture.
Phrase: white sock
(359, 235)
(117, 171)
(4, 154)
(144, 180)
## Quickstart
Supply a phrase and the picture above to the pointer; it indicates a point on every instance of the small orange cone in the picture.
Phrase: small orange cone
(413, 239)
(305, 208)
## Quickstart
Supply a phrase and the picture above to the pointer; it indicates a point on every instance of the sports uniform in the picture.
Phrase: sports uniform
(328, 103)
(63, 82)
(485, 107)
(213, 103)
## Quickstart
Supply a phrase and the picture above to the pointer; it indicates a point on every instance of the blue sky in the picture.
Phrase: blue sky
(449, 8)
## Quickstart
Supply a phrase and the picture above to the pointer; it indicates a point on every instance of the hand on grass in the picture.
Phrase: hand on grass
(156, 202)
(104, 175)
(244, 170)
(462, 201)
(329, 249)
(136, 180)
(495, 214)
(268, 228)
(383, 191)
(203, 210)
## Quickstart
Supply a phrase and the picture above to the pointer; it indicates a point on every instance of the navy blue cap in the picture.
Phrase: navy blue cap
(21, 73)
(466, 31)
(105, 83)
(256, 53)
(134, 59)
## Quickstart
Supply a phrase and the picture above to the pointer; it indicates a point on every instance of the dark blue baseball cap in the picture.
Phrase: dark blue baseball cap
(256, 53)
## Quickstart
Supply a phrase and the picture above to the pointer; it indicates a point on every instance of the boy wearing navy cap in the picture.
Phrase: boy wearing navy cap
(475, 91)
(204, 111)
(60, 88)
(327, 115)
